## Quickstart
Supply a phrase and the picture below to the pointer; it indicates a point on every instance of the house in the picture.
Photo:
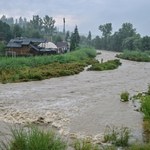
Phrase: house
(27, 47)
(48, 48)
(63, 47)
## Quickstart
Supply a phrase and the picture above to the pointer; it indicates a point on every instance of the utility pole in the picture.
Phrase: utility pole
(64, 28)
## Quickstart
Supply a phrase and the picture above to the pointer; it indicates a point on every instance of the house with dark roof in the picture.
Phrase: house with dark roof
(63, 47)
(27, 47)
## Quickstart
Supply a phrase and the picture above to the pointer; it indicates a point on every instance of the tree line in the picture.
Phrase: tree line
(126, 38)
(36, 27)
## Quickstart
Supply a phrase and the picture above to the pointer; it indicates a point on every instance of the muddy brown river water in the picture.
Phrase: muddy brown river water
(78, 105)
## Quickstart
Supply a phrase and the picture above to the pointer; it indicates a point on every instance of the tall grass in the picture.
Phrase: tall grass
(85, 145)
(42, 67)
(34, 139)
(135, 56)
(35, 61)
(145, 104)
(139, 147)
(117, 136)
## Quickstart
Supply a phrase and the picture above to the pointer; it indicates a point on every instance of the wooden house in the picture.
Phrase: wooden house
(27, 47)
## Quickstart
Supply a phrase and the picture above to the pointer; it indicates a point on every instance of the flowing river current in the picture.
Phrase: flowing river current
(78, 105)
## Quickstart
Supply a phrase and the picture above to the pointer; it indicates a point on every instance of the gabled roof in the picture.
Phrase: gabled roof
(62, 44)
(47, 45)
(12, 44)
(35, 40)
(18, 42)
(25, 42)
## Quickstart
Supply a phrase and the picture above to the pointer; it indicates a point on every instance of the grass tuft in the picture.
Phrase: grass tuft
(124, 96)
(34, 139)
(117, 136)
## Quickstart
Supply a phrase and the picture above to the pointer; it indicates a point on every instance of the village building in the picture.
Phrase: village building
(63, 47)
(29, 47)
(48, 48)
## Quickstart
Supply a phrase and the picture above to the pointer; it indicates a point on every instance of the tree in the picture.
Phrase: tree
(106, 30)
(49, 23)
(36, 23)
(96, 42)
(127, 30)
(89, 38)
(146, 43)
(123, 38)
(5, 32)
(4, 19)
(67, 36)
(17, 31)
(75, 39)
(132, 43)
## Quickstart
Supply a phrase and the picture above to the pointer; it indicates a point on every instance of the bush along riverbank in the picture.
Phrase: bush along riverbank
(143, 101)
(20, 69)
(145, 109)
(109, 65)
(135, 56)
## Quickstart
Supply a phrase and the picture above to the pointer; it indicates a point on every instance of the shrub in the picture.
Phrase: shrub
(124, 96)
(117, 136)
(109, 65)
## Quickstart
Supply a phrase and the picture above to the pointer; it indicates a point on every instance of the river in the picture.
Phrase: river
(78, 105)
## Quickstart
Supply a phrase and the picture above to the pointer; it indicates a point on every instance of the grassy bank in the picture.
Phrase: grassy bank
(41, 67)
(145, 108)
(109, 65)
(135, 56)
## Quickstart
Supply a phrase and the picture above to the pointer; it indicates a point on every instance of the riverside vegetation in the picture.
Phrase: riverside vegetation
(20, 69)
(144, 98)
(109, 65)
(135, 56)
(41, 67)
(32, 138)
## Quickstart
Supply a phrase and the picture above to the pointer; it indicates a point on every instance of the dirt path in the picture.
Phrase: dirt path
(82, 104)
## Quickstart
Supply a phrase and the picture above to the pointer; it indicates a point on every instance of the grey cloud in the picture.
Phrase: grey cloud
(90, 13)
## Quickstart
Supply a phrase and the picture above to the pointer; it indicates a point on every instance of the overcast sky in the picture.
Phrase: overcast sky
(86, 14)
